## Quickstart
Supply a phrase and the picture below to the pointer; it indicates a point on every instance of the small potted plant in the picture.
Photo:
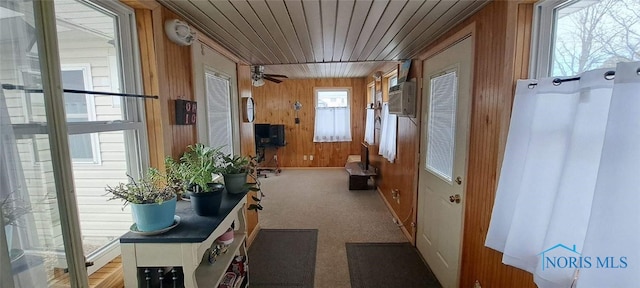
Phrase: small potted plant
(153, 201)
(197, 168)
(234, 170)
(13, 208)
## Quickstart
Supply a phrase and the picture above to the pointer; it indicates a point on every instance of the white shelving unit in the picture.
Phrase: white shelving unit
(188, 246)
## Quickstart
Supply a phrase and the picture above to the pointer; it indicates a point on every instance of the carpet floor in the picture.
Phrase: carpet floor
(320, 199)
(283, 258)
(388, 265)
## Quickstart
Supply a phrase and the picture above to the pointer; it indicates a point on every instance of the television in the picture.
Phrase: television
(364, 156)
(262, 132)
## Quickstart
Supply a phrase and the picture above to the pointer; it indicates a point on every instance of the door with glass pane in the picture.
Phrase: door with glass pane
(443, 153)
(106, 137)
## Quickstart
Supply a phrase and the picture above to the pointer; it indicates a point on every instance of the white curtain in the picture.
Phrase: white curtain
(388, 134)
(563, 185)
(333, 124)
(368, 127)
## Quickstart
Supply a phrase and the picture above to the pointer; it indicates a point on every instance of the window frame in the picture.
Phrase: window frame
(133, 114)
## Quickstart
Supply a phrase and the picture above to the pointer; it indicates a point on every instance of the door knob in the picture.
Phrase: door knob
(454, 198)
(459, 180)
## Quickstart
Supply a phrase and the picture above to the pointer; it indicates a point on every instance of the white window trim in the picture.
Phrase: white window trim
(91, 112)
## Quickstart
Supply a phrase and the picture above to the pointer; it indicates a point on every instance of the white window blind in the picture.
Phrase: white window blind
(219, 112)
(442, 125)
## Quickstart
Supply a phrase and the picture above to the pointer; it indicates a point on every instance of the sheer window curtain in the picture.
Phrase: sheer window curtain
(388, 133)
(333, 124)
(369, 127)
(565, 187)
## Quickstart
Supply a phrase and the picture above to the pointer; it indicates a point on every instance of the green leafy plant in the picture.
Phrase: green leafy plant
(13, 208)
(198, 165)
(151, 188)
(236, 164)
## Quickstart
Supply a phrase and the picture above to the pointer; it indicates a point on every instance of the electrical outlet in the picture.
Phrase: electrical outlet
(311, 157)
(304, 157)
(395, 194)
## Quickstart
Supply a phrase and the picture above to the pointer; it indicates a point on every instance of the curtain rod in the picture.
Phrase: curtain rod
(609, 75)
(32, 90)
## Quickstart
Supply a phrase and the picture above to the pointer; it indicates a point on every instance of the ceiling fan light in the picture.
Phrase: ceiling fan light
(257, 82)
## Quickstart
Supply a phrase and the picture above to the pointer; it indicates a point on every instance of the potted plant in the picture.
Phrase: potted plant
(234, 170)
(13, 209)
(153, 202)
(197, 169)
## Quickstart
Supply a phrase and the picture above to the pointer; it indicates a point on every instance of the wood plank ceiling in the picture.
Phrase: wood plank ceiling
(324, 38)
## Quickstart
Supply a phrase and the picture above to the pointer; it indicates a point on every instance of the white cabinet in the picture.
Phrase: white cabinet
(188, 245)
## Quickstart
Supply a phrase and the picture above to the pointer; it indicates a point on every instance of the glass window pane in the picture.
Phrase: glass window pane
(102, 221)
(219, 112)
(332, 98)
(91, 59)
(442, 125)
(595, 34)
(27, 185)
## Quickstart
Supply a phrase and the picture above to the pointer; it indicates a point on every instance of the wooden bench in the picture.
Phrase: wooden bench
(359, 178)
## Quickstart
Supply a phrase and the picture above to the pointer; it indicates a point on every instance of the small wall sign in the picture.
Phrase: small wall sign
(186, 112)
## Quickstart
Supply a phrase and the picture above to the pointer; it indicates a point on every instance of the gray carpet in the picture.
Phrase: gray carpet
(283, 258)
(388, 265)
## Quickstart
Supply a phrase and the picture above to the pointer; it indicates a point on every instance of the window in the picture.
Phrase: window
(80, 108)
(442, 125)
(35, 171)
(219, 111)
(333, 115)
(577, 36)
(393, 81)
(388, 121)
(371, 94)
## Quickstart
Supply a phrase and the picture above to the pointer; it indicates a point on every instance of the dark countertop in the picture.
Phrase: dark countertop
(192, 228)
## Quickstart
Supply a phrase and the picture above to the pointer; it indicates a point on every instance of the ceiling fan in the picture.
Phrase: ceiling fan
(258, 76)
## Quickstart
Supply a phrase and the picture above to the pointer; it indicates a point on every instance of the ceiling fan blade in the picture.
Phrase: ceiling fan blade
(276, 75)
(272, 79)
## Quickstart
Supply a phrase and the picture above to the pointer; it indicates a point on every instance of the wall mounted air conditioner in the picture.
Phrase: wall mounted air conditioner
(402, 99)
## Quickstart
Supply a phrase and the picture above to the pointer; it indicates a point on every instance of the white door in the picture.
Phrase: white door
(443, 158)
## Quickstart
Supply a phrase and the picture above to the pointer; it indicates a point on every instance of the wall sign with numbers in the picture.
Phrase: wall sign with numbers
(186, 112)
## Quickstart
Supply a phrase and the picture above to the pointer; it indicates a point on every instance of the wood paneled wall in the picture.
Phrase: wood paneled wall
(502, 39)
(274, 105)
(247, 140)
(167, 73)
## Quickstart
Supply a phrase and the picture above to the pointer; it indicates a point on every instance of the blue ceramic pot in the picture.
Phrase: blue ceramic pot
(153, 217)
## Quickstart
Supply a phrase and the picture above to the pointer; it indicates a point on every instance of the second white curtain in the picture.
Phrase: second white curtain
(332, 124)
(388, 134)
